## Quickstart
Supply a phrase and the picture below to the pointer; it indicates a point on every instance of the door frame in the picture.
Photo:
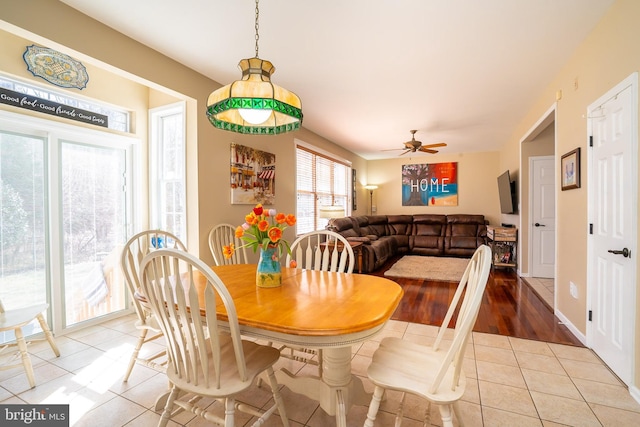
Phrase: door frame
(543, 122)
(631, 80)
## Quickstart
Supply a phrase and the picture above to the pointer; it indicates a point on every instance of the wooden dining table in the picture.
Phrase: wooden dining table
(314, 309)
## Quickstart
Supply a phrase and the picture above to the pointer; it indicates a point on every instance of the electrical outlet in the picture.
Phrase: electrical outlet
(573, 290)
(374, 209)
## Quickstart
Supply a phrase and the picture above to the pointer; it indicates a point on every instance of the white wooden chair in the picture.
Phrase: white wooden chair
(134, 250)
(432, 372)
(321, 250)
(204, 360)
(225, 234)
(15, 320)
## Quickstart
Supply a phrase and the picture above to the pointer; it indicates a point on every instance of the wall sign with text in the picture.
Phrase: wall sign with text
(430, 184)
(33, 103)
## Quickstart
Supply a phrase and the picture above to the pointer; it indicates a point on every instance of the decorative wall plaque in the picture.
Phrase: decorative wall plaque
(55, 67)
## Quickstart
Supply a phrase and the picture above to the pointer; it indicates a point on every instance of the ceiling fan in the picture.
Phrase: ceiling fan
(413, 145)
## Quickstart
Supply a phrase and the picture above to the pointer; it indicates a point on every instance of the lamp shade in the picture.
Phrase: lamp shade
(331, 212)
(254, 105)
(371, 187)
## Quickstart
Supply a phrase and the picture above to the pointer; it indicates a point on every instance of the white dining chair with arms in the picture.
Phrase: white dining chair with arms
(222, 235)
(134, 250)
(433, 373)
(207, 358)
(14, 320)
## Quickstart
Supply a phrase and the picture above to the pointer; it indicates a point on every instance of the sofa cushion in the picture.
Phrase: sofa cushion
(464, 234)
(383, 248)
(362, 239)
(428, 234)
(376, 225)
(399, 225)
(345, 227)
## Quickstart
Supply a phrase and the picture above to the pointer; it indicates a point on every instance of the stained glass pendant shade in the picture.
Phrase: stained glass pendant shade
(253, 104)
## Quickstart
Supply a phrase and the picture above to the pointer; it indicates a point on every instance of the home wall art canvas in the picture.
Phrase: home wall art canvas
(253, 176)
(430, 184)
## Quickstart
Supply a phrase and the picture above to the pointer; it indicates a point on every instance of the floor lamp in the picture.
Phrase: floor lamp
(370, 187)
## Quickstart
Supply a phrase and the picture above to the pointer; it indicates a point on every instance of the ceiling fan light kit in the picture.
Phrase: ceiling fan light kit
(253, 104)
(413, 145)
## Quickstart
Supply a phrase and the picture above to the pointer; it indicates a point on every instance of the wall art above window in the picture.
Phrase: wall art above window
(433, 184)
(253, 176)
(55, 67)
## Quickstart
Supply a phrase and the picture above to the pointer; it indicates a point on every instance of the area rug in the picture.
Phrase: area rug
(428, 268)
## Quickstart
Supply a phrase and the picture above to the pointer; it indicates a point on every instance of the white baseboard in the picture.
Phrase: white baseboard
(634, 392)
(581, 337)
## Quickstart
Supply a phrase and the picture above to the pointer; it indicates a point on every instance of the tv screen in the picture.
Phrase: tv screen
(506, 191)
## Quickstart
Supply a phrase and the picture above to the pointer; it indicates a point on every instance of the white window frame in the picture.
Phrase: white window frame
(157, 180)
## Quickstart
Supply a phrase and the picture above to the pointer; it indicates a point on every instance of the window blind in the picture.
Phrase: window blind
(321, 181)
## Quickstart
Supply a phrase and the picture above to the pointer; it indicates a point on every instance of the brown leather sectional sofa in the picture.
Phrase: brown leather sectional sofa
(384, 236)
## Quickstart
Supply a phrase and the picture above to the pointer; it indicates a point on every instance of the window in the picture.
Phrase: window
(321, 181)
(167, 170)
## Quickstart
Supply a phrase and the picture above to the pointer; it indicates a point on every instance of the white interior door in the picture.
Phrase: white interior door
(543, 218)
(612, 202)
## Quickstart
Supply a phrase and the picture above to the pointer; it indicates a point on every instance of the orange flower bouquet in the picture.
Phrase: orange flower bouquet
(263, 230)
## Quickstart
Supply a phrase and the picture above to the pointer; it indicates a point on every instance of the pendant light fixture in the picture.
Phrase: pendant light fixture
(253, 104)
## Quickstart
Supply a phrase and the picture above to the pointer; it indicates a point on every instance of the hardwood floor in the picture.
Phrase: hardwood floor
(509, 307)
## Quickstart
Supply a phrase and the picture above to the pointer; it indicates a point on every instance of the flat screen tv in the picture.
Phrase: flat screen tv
(507, 193)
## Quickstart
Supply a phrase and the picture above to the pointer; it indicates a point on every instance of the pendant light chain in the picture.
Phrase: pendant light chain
(257, 26)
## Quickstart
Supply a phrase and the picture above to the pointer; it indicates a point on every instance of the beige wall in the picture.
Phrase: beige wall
(477, 185)
(606, 57)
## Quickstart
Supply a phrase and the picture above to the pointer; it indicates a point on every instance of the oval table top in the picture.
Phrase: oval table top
(309, 302)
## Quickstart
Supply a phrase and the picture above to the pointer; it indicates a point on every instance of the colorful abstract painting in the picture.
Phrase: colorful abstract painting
(434, 184)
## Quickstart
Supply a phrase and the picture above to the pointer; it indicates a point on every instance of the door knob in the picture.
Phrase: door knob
(537, 224)
(624, 252)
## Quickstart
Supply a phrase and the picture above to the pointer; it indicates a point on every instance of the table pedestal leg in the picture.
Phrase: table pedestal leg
(337, 390)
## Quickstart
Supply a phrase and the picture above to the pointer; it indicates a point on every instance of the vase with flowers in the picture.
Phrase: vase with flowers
(262, 230)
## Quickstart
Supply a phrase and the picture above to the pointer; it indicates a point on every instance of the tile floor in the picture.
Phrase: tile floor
(543, 287)
(511, 382)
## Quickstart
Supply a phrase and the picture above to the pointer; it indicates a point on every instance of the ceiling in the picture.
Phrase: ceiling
(463, 72)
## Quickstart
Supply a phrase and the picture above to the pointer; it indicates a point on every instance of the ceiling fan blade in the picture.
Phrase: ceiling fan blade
(427, 150)
(438, 144)
(402, 154)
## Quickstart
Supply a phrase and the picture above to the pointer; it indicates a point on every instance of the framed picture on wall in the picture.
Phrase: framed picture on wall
(570, 169)
(432, 184)
(354, 202)
(253, 176)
